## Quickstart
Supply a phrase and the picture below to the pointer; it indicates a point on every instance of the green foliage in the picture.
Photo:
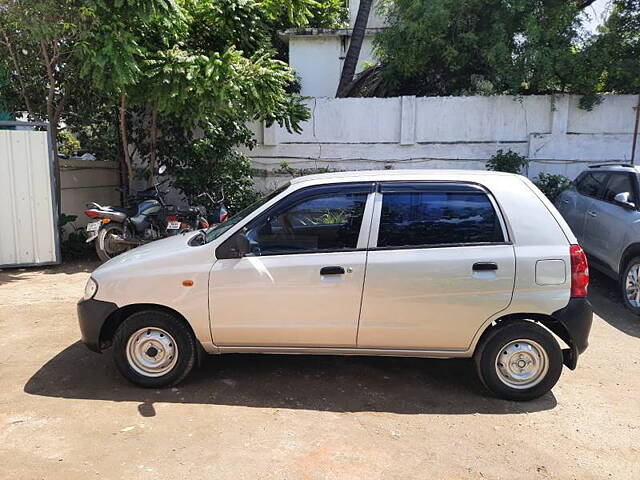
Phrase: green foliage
(552, 185)
(333, 217)
(213, 164)
(67, 143)
(508, 161)
(462, 47)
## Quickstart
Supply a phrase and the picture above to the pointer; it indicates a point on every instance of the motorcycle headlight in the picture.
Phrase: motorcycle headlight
(90, 289)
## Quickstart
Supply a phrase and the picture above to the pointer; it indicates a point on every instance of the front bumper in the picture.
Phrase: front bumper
(91, 315)
(573, 324)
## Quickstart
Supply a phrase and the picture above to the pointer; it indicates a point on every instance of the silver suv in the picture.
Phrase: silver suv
(404, 263)
(602, 210)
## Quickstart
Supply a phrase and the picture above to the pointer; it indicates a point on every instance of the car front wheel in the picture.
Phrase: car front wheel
(153, 348)
(519, 361)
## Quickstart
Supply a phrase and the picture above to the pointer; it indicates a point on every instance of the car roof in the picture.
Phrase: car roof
(391, 175)
(614, 167)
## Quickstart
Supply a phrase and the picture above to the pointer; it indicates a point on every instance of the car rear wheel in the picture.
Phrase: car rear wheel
(153, 348)
(630, 285)
(519, 361)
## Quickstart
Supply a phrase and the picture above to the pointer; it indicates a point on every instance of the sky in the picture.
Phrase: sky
(597, 12)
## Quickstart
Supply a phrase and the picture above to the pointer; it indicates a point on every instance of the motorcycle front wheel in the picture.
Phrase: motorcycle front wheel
(106, 247)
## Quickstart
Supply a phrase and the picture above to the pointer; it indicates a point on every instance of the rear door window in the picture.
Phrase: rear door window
(592, 184)
(429, 215)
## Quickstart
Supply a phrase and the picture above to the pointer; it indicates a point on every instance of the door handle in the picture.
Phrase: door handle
(334, 270)
(592, 214)
(484, 266)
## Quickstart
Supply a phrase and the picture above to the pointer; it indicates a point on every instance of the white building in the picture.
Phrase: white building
(317, 54)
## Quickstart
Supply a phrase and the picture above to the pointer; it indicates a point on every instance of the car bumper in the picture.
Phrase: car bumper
(91, 315)
(573, 324)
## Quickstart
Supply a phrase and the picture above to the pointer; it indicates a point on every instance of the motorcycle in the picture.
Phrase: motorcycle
(118, 229)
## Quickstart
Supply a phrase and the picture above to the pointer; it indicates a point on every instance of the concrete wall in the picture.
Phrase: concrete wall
(83, 181)
(449, 132)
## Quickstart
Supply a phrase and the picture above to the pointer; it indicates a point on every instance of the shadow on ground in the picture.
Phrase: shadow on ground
(604, 295)
(325, 383)
(8, 275)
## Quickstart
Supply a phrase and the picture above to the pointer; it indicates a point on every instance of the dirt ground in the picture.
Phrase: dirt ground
(66, 413)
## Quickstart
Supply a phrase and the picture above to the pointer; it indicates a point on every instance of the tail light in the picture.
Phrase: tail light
(579, 271)
(172, 218)
(91, 213)
(204, 223)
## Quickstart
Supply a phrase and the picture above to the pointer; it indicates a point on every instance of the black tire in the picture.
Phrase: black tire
(493, 345)
(104, 249)
(185, 348)
(623, 285)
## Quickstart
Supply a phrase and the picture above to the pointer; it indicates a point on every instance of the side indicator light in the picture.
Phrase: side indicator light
(187, 283)
(106, 220)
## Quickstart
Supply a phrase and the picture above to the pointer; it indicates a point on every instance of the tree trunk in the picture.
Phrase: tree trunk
(53, 115)
(153, 133)
(126, 172)
(355, 45)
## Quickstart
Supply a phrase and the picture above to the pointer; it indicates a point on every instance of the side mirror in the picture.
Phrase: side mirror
(162, 169)
(242, 246)
(235, 247)
(622, 199)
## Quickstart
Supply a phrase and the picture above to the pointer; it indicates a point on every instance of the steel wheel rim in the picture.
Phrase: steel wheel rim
(152, 352)
(632, 286)
(522, 364)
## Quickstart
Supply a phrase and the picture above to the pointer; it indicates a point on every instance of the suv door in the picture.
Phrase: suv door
(607, 222)
(440, 264)
(301, 285)
(574, 202)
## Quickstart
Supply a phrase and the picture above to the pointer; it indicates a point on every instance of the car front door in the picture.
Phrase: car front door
(607, 222)
(301, 285)
(440, 264)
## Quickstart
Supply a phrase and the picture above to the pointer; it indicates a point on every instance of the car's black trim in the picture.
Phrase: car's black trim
(91, 315)
(574, 321)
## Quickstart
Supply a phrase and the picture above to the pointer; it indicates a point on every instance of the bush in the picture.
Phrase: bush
(552, 185)
(214, 164)
(508, 161)
(74, 246)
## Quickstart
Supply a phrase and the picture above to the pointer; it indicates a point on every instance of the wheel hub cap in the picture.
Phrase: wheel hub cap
(632, 286)
(522, 364)
(152, 352)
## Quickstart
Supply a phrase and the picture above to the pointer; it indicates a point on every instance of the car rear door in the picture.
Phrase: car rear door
(440, 264)
(301, 285)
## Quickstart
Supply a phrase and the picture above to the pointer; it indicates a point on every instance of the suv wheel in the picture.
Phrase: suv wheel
(154, 349)
(519, 361)
(630, 285)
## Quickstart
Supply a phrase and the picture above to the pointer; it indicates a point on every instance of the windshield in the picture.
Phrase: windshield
(218, 229)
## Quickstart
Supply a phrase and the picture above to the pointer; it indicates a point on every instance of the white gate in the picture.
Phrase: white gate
(28, 204)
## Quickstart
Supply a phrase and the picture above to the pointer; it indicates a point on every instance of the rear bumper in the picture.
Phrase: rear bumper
(573, 324)
(91, 316)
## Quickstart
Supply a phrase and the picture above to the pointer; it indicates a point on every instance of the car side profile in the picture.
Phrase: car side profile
(435, 263)
(602, 209)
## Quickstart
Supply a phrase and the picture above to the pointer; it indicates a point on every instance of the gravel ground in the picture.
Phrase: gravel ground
(66, 413)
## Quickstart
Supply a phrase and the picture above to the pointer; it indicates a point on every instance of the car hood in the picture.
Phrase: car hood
(156, 251)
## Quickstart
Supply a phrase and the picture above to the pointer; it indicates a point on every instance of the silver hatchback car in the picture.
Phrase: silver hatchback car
(406, 263)
(602, 209)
